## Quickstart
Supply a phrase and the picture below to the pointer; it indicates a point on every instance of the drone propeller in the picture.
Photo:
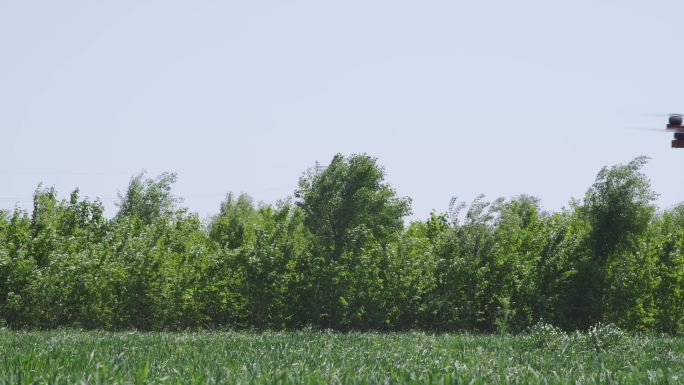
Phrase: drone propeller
(664, 115)
(671, 130)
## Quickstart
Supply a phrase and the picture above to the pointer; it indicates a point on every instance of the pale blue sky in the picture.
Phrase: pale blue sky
(455, 98)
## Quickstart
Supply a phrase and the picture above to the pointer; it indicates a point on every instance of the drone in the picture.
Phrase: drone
(674, 124)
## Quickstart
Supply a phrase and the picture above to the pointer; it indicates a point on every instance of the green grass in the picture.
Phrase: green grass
(309, 357)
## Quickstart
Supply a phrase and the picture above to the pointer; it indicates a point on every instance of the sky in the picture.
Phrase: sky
(454, 98)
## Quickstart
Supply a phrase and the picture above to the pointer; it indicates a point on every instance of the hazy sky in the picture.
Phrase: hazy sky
(455, 98)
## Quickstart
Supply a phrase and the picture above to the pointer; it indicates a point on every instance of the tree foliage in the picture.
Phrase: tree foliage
(341, 254)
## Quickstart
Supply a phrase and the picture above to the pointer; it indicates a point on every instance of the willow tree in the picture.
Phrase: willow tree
(352, 213)
(618, 208)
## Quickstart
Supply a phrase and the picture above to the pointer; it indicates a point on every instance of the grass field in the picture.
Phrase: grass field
(604, 356)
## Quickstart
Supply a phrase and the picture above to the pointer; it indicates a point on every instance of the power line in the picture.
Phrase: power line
(5, 172)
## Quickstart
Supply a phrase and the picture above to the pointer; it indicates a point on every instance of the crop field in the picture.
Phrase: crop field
(544, 355)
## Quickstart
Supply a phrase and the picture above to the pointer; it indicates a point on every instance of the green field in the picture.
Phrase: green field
(605, 356)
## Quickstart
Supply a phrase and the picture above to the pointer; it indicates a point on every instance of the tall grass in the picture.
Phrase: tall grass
(543, 355)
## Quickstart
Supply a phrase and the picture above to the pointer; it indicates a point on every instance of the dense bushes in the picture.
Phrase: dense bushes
(338, 255)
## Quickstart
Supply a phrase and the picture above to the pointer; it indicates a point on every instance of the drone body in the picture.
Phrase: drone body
(675, 125)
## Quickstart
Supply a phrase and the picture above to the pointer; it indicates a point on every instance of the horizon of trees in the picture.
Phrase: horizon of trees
(340, 255)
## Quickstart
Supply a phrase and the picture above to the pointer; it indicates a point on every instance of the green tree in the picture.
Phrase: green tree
(44, 225)
(340, 257)
(144, 239)
(148, 199)
(668, 247)
(349, 194)
(17, 271)
(411, 272)
(352, 214)
(230, 228)
(618, 209)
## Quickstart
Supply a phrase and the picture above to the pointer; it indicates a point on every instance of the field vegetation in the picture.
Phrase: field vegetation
(542, 355)
(339, 254)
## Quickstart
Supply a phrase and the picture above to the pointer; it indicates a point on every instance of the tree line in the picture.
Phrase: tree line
(340, 255)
